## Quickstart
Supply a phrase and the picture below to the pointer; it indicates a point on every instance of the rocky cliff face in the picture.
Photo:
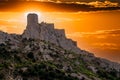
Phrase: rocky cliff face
(44, 53)
(46, 31)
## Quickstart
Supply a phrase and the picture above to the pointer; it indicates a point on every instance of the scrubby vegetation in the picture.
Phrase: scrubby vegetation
(40, 60)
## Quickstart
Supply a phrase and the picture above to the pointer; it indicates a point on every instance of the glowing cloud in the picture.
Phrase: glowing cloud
(103, 4)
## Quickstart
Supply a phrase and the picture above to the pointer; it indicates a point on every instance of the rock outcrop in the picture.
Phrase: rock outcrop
(4, 36)
(46, 31)
(44, 53)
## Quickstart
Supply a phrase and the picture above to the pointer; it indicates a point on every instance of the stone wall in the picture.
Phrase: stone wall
(47, 32)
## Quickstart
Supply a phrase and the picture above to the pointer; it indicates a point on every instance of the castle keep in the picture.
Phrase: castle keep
(47, 32)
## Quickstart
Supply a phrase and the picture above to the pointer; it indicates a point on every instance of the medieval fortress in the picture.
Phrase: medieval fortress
(43, 31)
(47, 32)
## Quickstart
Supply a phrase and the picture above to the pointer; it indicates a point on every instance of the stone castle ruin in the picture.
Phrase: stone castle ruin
(47, 32)
(31, 48)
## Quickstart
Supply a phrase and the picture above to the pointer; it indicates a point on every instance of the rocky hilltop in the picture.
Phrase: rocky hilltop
(45, 31)
(44, 53)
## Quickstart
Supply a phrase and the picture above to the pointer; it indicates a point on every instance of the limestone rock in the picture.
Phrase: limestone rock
(46, 31)
(92, 68)
(42, 43)
(47, 57)
(4, 37)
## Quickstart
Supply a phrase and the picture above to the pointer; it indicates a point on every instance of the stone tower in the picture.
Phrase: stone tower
(32, 29)
(32, 19)
(47, 32)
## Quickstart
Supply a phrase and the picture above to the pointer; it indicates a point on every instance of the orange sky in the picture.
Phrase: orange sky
(95, 31)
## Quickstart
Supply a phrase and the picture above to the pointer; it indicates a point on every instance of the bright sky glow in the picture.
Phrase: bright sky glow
(38, 13)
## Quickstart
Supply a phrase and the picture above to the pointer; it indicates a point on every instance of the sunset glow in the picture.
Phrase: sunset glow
(31, 12)
(36, 12)
(97, 31)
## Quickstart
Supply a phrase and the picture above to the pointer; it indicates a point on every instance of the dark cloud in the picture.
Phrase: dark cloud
(68, 0)
(53, 6)
(13, 0)
(85, 0)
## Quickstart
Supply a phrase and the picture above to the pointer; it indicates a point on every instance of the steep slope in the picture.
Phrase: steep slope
(40, 60)
(46, 31)
(44, 53)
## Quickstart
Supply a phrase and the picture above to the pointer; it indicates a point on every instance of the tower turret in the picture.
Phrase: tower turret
(32, 29)
(32, 19)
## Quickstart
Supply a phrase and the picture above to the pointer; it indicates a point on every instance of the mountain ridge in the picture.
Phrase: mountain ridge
(44, 53)
(46, 31)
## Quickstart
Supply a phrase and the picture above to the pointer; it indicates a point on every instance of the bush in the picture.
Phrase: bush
(46, 72)
(30, 55)
(2, 76)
